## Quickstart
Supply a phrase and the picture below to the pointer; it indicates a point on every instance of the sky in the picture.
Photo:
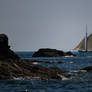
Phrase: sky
(34, 24)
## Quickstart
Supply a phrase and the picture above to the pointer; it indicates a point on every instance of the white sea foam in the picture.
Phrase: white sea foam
(64, 78)
(35, 63)
(69, 56)
(18, 78)
(79, 71)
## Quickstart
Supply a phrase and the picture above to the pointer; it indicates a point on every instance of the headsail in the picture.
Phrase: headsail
(81, 45)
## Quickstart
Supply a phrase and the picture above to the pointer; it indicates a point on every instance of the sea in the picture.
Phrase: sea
(80, 81)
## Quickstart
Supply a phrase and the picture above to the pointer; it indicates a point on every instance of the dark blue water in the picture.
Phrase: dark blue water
(80, 82)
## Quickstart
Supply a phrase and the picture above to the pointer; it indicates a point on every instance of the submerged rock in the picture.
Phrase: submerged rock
(5, 51)
(51, 53)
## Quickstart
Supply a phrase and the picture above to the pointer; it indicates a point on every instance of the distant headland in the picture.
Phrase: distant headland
(47, 52)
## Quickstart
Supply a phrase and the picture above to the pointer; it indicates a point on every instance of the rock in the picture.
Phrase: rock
(48, 53)
(13, 69)
(86, 69)
(5, 51)
(69, 54)
(51, 53)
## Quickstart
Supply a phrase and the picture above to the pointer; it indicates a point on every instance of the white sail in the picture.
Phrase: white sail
(86, 43)
(86, 39)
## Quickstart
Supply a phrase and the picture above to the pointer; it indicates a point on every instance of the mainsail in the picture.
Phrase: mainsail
(81, 45)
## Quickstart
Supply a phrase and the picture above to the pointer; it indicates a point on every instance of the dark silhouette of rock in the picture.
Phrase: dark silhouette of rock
(51, 53)
(69, 54)
(5, 51)
(86, 69)
(13, 69)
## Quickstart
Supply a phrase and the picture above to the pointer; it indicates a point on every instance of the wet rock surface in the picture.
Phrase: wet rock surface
(51, 53)
(10, 69)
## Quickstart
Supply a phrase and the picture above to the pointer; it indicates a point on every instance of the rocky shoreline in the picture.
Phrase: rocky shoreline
(12, 67)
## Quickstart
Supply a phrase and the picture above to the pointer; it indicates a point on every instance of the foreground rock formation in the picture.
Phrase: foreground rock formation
(51, 53)
(5, 51)
(12, 67)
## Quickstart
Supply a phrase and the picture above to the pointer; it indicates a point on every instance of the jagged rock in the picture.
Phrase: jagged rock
(5, 51)
(69, 54)
(86, 69)
(51, 53)
(10, 69)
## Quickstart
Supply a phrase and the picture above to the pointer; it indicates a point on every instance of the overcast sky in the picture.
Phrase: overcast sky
(34, 24)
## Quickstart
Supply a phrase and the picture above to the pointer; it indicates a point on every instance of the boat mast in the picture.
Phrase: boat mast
(86, 39)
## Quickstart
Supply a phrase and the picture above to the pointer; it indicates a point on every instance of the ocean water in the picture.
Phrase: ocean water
(80, 82)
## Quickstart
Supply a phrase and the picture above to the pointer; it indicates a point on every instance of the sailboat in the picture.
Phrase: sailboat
(86, 44)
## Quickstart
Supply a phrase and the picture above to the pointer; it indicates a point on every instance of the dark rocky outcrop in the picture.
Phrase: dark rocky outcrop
(86, 69)
(51, 53)
(5, 51)
(10, 69)
(69, 54)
